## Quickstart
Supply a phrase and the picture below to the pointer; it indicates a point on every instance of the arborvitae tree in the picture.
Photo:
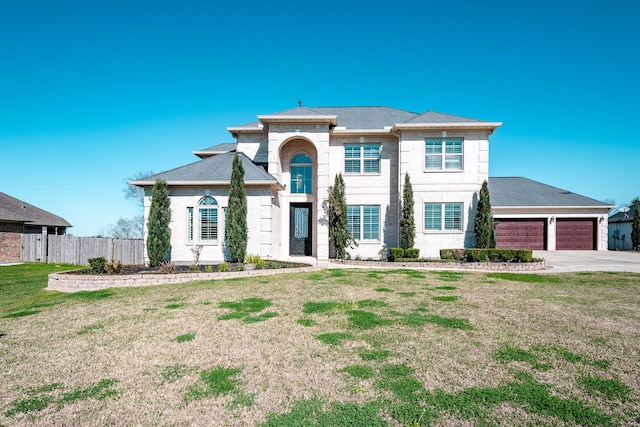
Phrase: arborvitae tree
(484, 226)
(159, 237)
(635, 229)
(236, 221)
(407, 222)
(338, 226)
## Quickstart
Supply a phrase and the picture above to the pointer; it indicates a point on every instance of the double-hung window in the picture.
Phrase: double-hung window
(443, 216)
(363, 222)
(443, 154)
(362, 158)
(206, 218)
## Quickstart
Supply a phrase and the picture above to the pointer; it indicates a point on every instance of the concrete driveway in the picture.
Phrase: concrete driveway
(567, 261)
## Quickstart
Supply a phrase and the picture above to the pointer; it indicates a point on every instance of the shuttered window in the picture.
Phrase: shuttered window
(443, 216)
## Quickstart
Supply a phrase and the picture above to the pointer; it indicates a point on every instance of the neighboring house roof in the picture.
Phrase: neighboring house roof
(211, 170)
(215, 150)
(625, 216)
(15, 210)
(523, 192)
(366, 118)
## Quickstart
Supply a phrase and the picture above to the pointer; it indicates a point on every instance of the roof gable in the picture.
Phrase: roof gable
(16, 210)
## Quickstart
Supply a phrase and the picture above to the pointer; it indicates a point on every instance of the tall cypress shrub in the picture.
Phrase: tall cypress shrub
(407, 221)
(635, 229)
(159, 237)
(236, 220)
(339, 234)
(484, 226)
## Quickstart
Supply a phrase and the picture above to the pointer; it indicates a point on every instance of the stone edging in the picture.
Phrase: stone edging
(65, 282)
(453, 265)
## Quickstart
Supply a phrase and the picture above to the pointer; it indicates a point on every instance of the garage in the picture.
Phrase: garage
(575, 234)
(521, 234)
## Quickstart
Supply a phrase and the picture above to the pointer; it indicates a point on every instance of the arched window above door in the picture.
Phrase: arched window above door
(301, 174)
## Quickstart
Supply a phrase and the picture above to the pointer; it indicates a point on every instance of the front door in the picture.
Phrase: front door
(300, 229)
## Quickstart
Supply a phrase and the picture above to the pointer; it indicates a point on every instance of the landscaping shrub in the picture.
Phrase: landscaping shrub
(452, 254)
(397, 253)
(412, 253)
(98, 265)
(114, 267)
(487, 255)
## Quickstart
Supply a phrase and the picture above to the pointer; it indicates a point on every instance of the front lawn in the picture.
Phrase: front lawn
(326, 348)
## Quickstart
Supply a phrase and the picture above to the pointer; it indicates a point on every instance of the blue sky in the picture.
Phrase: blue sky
(94, 92)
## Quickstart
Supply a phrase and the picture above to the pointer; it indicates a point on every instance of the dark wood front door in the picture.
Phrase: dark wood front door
(300, 229)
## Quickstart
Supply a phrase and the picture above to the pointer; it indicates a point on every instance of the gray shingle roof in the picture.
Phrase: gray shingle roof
(211, 169)
(518, 191)
(216, 149)
(625, 216)
(15, 210)
(369, 117)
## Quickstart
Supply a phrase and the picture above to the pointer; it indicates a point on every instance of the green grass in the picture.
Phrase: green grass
(359, 371)
(41, 397)
(23, 286)
(174, 306)
(306, 322)
(524, 277)
(92, 295)
(377, 355)
(244, 309)
(361, 319)
(214, 382)
(185, 338)
(444, 298)
(407, 358)
(384, 290)
(610, 388)
(313, 413)
(334, 338)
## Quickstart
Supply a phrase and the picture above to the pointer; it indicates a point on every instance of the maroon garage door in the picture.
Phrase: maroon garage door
(575, 234)
(521, 234)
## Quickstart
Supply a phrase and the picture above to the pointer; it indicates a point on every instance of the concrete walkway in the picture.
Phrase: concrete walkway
(568, 261)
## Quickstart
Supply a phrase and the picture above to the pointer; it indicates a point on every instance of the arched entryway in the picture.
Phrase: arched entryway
(298, 158)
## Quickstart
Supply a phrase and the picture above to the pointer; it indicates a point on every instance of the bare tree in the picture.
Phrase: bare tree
(127, 228)
(134, 193)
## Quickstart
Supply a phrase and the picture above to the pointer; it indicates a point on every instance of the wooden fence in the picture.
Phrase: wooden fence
(77, 250)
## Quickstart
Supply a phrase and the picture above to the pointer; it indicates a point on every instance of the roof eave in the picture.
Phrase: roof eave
(488, 126)
(143, 183)
(331, 119)
(550, 207)
(338, 131)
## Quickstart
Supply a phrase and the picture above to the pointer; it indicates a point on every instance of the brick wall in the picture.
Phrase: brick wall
(10, 241)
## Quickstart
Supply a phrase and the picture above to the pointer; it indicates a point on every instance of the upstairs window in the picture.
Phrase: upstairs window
(301, 174)
(362, 158)
(443, 154)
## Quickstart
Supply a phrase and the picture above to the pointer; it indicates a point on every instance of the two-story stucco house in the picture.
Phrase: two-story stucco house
(291, 158)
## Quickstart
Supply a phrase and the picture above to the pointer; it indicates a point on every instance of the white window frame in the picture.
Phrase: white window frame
(360, 213)
(363, 159)
(450, 216)
(195, 218)
(451, 152)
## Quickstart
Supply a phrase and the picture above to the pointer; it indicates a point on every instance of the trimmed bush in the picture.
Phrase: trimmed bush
(452, 254)
(487, 255)
(397, 253)
(98, 265)
(412, 253)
